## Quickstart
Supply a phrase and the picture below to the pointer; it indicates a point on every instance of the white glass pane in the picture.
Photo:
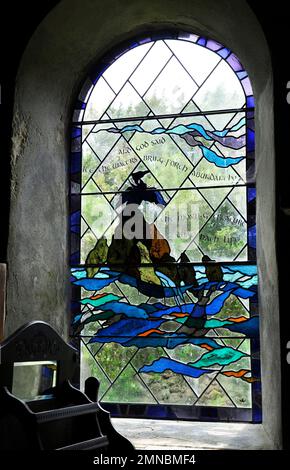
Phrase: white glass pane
(222, 90)
(198, 60)
(101, 142)
(220, 121)
(90, 162)
(239, 198)
(128, 103)
(172, 90)
(97, 213)
(148, 70)
(100, 99)
(117, 74)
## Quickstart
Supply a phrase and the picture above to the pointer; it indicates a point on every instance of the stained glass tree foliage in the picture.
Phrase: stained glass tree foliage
(163, 232)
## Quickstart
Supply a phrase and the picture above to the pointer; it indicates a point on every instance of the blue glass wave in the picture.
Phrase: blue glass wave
(199, 130)
(164, 363)
(105, 277)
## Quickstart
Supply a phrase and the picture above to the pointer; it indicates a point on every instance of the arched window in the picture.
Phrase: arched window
(163, 251)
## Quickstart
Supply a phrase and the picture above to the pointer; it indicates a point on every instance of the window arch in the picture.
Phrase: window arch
(163, 231)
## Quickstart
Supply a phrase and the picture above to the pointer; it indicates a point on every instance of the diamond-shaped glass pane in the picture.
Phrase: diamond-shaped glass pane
(225, 233)
(128, 388)
(127, 103)
(90, 162)
(100, 99)
(182, 219)
(150, 67)
(215, 395)
(116, 167)
(221, 90)
(171, 91)
(113, 358)
(97, 213)
(120, 71)
(101, 142)
(199, 62)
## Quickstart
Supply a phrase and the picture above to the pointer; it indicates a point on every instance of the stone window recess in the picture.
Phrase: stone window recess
(52, 71)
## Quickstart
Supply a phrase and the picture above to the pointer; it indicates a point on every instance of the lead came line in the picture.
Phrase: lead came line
(162, 116)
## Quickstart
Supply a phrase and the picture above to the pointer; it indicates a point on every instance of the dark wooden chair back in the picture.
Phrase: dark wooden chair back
(64, 418)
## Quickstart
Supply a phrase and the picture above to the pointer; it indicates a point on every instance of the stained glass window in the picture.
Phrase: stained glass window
(163, 234)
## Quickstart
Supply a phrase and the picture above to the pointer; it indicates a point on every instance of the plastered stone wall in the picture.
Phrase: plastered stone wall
(60, 53)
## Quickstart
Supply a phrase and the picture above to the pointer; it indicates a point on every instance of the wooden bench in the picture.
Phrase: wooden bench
(61, 417)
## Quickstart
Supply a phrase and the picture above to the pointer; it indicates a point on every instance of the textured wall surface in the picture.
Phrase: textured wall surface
(70, 39)
(2, 298)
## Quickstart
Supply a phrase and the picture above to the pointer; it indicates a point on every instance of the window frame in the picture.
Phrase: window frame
(164, 411)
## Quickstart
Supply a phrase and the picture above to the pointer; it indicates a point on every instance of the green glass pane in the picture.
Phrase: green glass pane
(86, 129)
(93, 347)
(186, 353)
(176, 391)
(214, 395)
(135, 297)
(238, 390)
(245, 347)
(127, 103)
(90, 162)
(194, 253)
(227, 333)
(89, 368)
(243, 256)
(232, 308)
(201, 384)
(128, 388)
(90, 187)
(98, 214)
(238, 387)
(233, 342)
(224, 235)
(239, 198)
(116, 167)
(88, 241)
(146, 356)
(113, 358)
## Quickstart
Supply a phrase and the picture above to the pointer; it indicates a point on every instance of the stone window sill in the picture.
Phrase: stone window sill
(178, 435)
